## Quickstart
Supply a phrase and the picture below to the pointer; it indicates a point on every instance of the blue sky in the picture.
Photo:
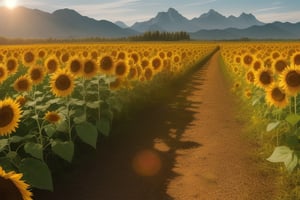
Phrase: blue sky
(131, 11)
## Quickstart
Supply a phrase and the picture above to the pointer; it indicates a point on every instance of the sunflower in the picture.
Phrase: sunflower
(121, 69)
(250, 76)
(52, 117)
(257, 64)
(75, 66)
(28, 58)
(289, 80)
(279, 65)
(36, 74)
(264, 78)
(157, 64)
(106, 64)
(275, 96)
(23, 84)
(89, 69)
(116, 84)
(133, 73)
(51, 64)
(247, 59)
(148, 73)
(10, 114)
(144, 63)
(65, 57)
(11, 65)
(237, 59)
(295, 59)
(3, 74)
(21, 100)
(135, 57)
(122, 55)
(275, 55)
(62, 83)
(12, 187)
(41, 53)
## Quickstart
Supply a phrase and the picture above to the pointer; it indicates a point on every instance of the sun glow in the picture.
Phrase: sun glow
(11, 4)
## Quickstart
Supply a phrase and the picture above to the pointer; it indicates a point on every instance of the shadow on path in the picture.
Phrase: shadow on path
(107, 173)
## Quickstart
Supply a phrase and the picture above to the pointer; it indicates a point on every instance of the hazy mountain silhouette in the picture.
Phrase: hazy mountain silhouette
(276, 30)
(65, 23)
(121, 24)
(172, 20)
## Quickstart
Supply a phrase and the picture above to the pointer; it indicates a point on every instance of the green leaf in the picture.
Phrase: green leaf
(3, 144)
(93, 105)
(286, 155)
(17, 139)
(292, 141)
(271, 126)
(293, 119)
(65, 150)
(36, 173)
(62, 127)
(103, 126)
(50, 130)
(43, 107)
(87, 133)
(80, 119)
(36, 150)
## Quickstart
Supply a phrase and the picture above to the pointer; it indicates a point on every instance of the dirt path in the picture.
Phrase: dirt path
(196, 141)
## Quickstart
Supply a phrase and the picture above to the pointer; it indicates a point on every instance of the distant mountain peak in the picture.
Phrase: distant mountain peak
(121, 24)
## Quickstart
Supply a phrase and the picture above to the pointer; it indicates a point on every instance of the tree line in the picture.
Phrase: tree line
(161, 36)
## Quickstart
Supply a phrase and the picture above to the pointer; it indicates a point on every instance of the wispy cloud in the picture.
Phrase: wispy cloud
(268, 9)
(283, 16)
(110, 5)
(200, 3)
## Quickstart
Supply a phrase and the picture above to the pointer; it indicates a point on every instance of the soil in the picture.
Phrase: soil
(190, 148)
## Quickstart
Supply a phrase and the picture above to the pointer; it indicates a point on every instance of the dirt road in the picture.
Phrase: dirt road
(192, 147)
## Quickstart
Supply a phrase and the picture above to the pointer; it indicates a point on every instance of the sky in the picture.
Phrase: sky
(130, 11)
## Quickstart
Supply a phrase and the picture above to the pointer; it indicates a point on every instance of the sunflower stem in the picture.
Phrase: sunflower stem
(99, 99)
(295, 104)
(69, 118)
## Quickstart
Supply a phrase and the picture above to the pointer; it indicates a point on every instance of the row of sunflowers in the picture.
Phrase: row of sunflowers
(53, 95)
(267, 77)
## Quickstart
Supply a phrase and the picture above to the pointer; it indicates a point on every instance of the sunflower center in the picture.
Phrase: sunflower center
(250, 77)
(121, 69)
(156, 63)
(65, 57)
(75, 66)
(29, 57)
(52, 65)
(36, 74)
(89, 67)
(293, 79)
(6, 116)
(257, 66)
(248, 60)
(23, 85)
(277, 95)
(11, 65)
(297, 59)
(8, 190)
(121, 56)
(280, 65)
(53, 117)
(63, 82)
(265, 78)
(2, 73)
(106, 63)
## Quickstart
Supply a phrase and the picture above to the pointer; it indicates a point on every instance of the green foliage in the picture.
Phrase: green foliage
(88, 133)
(36, 173)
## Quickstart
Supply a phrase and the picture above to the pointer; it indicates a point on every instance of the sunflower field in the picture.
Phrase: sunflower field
(267, 77)
(52, 95)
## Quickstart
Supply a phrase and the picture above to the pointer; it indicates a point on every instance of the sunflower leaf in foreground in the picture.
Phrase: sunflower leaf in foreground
(271, 126)
(103, 126)
(36, 173)
(87, 132)
(65, 150)
(36, 150)
(293, 119)
(286, 155)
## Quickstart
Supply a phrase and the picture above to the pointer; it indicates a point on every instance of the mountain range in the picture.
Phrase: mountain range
(68, 24)
(172, 20)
